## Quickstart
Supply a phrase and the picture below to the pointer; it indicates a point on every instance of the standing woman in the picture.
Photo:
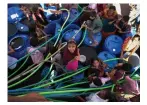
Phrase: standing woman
(71, 56)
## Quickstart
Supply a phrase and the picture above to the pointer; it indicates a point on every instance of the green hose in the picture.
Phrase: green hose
(83, 38)
(28, 75)
(74, 84)
(62, 26)
(47, 73)
(19, 67)
(40, 82)
(71, 23)
(78, 71)
(50, 99)
(37, 68)
(33, 51)
(81, 90)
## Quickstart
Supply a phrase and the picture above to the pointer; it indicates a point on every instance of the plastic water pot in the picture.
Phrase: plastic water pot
(19, 43)
(113, 44)
(104, 55)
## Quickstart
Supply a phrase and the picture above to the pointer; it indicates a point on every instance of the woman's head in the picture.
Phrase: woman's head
(136, 37)
(96, 62)
(112, 9)
(72, 46)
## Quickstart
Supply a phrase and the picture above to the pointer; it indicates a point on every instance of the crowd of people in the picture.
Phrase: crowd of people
(102, 18)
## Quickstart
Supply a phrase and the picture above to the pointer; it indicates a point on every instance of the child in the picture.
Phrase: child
(122, 26)
(36, 56)
(94, 25)
(97, 68)
(71, 56)
(131, 45)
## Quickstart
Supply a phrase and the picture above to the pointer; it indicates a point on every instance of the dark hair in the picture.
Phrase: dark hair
(34, 8)
(127, 67)
(97, 82)
(34, 41)
(112, 7)
(136, 36)
(33, 34)
(112, 97)
(72, 42)
(126, 18)
(97, 59)
(93, 14)
(32, 27)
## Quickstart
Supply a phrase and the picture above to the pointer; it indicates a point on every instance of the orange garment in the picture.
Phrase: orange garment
(107, 16)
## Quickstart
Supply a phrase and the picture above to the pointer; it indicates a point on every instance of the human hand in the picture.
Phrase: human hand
(84, 25)
(110, 22)
(77, 58)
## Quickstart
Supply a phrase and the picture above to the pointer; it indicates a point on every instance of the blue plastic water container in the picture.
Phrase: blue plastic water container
(104, 55)
(113, 44)
(21, 27)
(78, 77)
(15, 14)
(73, 14)
(52, 28)
(70, 31)
(19, 43)
(13, 5)
(12, 29)
(97, 37)
(48, 14)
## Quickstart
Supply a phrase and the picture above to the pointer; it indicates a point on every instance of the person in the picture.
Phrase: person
(97, 7)
(130, 86)
(93, 7)
(97, 68)
(71, 56)
(38, 17)
(30, 97)
(98, 81)
(119, 71)
(109, 16)
(122, 26)
(37, 56)
(109, 13)
(94, 25)
(130, 45)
